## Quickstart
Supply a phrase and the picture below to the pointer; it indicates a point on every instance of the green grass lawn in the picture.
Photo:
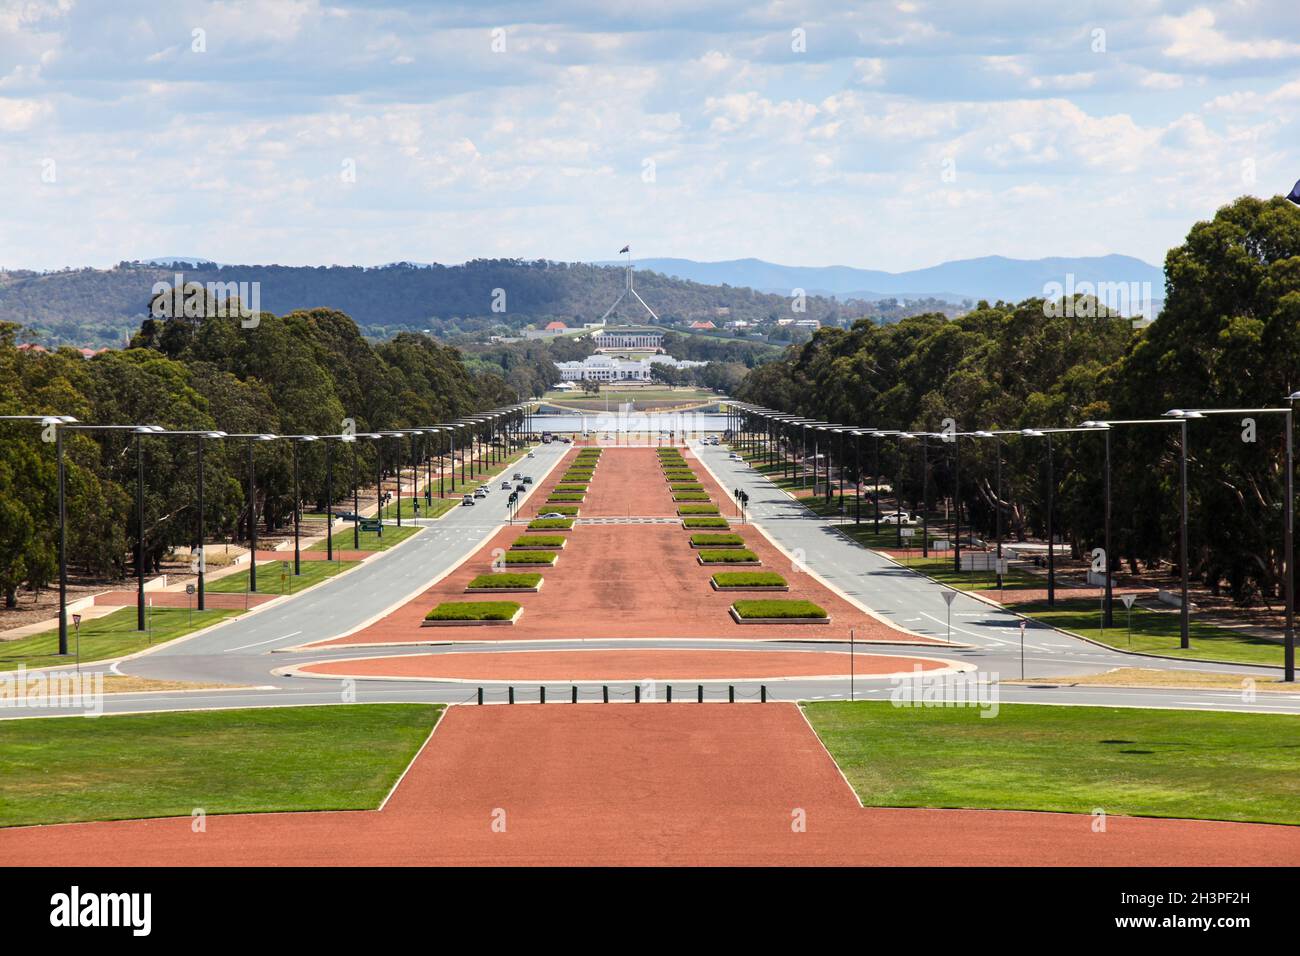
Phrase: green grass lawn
(232, 761)
(941, 569)
(112, 635)
(1162, 763)
(473, 611)
(439, 507)
(272, 578)
(1156, 632)
(370, 540)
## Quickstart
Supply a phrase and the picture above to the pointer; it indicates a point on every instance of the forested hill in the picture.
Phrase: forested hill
(104, 306)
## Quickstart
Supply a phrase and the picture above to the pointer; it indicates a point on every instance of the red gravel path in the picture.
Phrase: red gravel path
(652, 784)
(627, 580)
(620, 665)
(213, 599)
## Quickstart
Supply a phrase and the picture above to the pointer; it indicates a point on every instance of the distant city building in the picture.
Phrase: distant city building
(557, 327)
(640, 340)
(610, 368)
(703, 325)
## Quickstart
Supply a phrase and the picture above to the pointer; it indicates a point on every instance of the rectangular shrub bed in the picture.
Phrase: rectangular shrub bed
(714, 522)
(685, 486)
(778, 612)
(698, 510)
(540, 541)
(550, 524)
(680, 474)
(458, 613)
(505, 583)
(576, 477)
(565, 497)
(530, 559)
(728, 556)
(571, 489)
(569, 511)
(748, 581)
(691, 496)
(717, 541)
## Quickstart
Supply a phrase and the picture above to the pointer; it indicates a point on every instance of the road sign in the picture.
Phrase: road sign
(907, 532)
(190, 589)
(76, 621)
(949, 596)
(1128, 599)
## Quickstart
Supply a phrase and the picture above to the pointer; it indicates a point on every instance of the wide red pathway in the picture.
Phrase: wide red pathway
(649, 784)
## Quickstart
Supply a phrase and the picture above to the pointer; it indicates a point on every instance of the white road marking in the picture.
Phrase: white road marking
(284, 637)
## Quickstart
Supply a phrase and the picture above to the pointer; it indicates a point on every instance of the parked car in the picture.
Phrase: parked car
(467, 501)
(552, 514)
(898, 517)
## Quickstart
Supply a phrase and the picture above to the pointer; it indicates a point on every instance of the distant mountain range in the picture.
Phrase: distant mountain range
(988, 277)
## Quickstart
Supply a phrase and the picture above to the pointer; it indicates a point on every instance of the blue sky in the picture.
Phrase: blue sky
(881, 135)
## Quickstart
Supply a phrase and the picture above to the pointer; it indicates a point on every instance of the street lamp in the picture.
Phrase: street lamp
(199, 436)
(1288, 513)
(294, 442)
(251, 438)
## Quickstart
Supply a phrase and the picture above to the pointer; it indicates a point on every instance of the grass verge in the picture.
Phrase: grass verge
(231, 761)
(1157, 763)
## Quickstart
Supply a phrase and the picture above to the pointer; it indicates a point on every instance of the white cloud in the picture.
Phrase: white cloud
(1194, 39)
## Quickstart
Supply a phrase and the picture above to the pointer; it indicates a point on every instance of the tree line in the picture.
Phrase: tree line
(307, 372)
(1228, 337)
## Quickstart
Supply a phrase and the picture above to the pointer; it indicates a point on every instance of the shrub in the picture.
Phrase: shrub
(564, 497)
(530, 557)
(730, 556)
(718, 540)
(550, 524)
(570, 511)
(473, 611)
(691, 496)
(748, 579)
(749, 609)
(698, 510)
(518, 579)
(571, 489)
(718, 522)
(686, 486)
(539, 541)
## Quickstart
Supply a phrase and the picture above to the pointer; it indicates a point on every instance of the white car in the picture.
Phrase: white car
(898, 517)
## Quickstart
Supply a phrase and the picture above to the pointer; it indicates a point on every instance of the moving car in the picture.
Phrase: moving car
(480, 493)
(521, 487)
(552, 514)
(528, 479)
(517, 476)
(467, 501)
(505, 486)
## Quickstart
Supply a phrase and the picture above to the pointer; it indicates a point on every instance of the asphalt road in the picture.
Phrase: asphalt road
(249, 649)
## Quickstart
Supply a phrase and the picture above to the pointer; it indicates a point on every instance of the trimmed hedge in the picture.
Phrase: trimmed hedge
(718, 540)
(571, 489)
(473, 611)
(530, 557)
(749, 579)
(718, 522)
(729, 556)
(550, 524)
(685, 486)
(698, 510)
(539, 541)
(756, 608)
(691, 496)
(517, 579)
(564, 497)
(569, 510)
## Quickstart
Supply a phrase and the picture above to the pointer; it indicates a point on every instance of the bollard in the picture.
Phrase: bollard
(699, 693)
(511, 688)
(541, 694)
(637, 694)
(670, 693)
(480, 696)
(762, 693)
(575, 694)
(731, 693)
(604, 689)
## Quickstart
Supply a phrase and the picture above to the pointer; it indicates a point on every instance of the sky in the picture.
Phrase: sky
(887, 135)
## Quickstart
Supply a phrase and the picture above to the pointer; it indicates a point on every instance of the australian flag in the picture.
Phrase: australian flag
(1294, 195)
(626, 248)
